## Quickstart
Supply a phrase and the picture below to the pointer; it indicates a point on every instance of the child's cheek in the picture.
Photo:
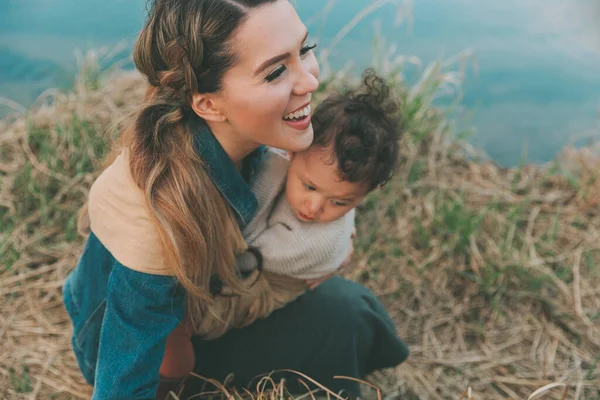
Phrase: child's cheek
(291, 193)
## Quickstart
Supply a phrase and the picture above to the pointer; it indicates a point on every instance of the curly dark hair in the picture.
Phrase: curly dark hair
(363, 128)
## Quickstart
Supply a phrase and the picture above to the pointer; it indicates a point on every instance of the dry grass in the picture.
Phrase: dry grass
(490, 274)
(46, 168)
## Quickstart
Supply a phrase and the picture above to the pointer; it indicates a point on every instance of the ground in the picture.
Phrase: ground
(490, 274)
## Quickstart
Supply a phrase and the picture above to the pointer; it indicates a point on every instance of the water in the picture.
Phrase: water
(537, 85)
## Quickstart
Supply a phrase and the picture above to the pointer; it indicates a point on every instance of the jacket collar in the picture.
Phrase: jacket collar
(228, 180)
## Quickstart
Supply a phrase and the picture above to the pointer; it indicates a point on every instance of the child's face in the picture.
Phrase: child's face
(316, 192)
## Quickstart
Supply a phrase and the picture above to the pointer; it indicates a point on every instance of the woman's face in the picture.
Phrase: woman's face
(266, 96)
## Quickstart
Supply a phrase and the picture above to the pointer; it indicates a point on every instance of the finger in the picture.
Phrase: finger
(313, 285)
(316, 282)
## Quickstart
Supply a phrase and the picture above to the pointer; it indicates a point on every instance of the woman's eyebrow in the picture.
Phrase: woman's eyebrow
(278, 58)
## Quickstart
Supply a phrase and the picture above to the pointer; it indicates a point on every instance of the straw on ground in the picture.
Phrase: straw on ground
(490, 274)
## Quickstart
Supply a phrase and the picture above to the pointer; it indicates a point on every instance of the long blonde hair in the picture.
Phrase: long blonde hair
(184, 48)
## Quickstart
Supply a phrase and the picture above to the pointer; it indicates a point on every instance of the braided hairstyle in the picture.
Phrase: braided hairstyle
(185, 48)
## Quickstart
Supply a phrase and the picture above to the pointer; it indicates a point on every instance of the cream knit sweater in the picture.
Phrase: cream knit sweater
(290, 247)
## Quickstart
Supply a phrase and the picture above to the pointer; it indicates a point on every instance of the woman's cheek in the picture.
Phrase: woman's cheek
(313, 66)
(282, 98)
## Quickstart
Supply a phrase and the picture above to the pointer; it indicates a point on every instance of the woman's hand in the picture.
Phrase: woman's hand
(312, 284)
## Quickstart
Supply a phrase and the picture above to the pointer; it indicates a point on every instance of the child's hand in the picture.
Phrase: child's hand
(348, 257)
(316, 282)
(351, 250)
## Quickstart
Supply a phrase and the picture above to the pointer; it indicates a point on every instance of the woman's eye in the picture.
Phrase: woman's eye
(275, 74)
(281, 69)
(311, 188)
(307, 48)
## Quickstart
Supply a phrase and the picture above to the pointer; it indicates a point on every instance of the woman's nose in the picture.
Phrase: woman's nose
(307, 81)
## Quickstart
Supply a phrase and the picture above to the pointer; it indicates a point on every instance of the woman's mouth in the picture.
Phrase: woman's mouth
(299, 119)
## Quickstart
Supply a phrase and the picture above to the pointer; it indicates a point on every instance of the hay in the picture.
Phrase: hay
(489, 273)
(47, 164)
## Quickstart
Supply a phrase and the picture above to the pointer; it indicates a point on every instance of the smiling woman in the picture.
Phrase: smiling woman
(535, 81)
(270, 79)
(166, 214)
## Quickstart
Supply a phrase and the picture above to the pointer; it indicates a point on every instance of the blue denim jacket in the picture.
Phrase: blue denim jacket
(122, 317)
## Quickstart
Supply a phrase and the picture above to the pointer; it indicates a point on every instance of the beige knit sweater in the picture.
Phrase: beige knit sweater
(292, 252)
(302, 250)
(118, 214)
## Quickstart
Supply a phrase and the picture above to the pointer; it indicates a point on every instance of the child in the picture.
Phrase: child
(305, 220)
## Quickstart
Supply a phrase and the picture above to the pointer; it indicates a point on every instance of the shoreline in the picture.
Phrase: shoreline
(17, 111)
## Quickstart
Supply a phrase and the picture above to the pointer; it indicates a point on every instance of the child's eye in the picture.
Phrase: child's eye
(307, 48)
(339, 203)
(275, 74)
(311, 188)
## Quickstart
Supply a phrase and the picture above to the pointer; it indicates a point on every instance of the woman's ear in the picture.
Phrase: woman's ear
(205, 107)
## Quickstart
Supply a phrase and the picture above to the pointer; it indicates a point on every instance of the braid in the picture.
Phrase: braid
(183, 49)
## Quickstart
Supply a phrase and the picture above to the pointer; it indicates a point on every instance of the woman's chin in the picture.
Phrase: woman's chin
(297, 140)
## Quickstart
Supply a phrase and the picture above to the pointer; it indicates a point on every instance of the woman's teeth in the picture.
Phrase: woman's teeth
(298, 114)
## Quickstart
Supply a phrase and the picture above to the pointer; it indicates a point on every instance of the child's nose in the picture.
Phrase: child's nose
(315, 206)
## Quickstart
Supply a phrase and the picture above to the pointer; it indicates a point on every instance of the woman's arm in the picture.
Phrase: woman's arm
(142, 310)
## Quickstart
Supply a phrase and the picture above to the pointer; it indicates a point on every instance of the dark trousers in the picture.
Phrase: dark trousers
(338, 329)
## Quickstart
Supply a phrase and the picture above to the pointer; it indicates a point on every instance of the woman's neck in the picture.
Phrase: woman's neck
(236, 148)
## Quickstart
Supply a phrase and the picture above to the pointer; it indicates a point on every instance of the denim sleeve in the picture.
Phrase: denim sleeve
(141, 311)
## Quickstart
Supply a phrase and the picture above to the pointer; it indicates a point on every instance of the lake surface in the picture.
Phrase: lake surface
(535, 89)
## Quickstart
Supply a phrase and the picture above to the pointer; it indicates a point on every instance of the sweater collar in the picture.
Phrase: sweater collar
(232, 184)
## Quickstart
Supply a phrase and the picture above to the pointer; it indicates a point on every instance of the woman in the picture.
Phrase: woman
(165, 215)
